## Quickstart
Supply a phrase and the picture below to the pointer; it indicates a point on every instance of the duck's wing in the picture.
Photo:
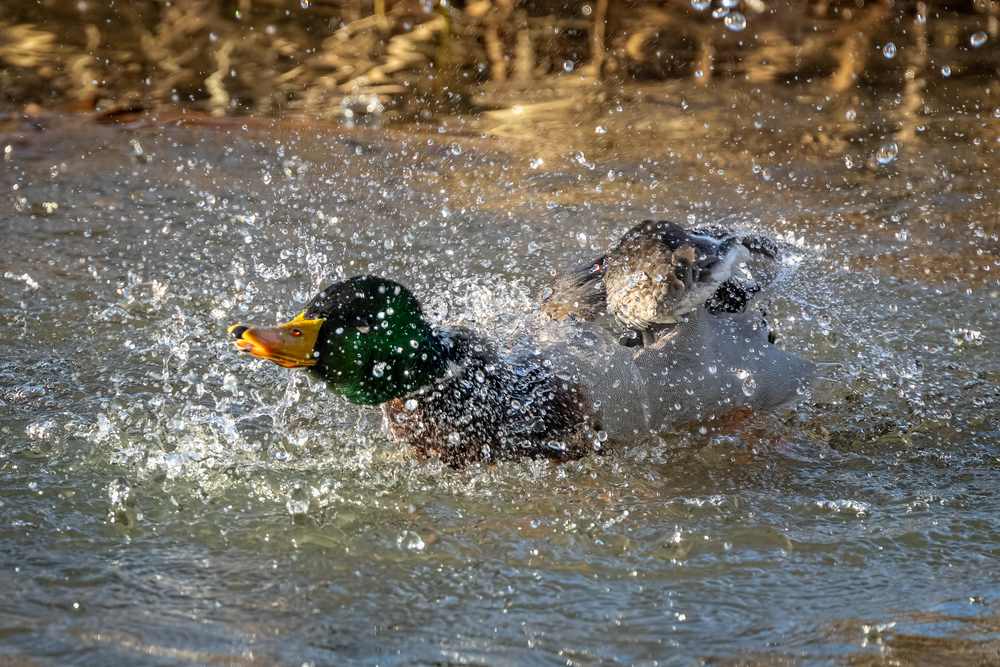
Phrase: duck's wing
(578, 294)
(754, 274)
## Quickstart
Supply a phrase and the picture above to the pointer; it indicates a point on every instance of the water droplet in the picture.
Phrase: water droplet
(556, 446)
(297, 503)
(378, 370)
(568, 65)
(582, 160)
(946, 71)
(977, 39)
(121, 499)
(889, 51)
(410, 404)
(411, 541)
(719, 12)
(887, 153)
(700, 5)
(730, 4)
(850, 114)
(969, 337)
(40, 430)
(600, 129)
(735, 21)
(536, 163)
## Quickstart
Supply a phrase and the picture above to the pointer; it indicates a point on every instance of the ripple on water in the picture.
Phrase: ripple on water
(146, 466)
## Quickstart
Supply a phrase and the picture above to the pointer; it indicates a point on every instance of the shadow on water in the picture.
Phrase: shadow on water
(169, 502)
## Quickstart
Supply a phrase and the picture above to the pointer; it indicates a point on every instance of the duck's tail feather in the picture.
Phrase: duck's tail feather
(580, 293)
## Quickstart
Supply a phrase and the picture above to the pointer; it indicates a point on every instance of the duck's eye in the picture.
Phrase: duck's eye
(296, 332)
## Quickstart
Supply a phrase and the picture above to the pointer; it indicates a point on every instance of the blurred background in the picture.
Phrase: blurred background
(400, 59)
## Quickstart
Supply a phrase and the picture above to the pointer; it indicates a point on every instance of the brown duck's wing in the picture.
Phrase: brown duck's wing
(579, 293)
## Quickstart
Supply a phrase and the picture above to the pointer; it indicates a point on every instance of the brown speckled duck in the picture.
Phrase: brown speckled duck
(658, 273)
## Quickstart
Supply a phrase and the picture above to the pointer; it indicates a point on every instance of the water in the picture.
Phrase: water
(166, 501)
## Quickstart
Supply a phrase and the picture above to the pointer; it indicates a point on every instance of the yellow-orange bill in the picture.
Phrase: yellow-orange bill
(291, 344)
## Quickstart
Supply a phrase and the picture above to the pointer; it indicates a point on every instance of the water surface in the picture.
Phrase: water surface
(166, 501)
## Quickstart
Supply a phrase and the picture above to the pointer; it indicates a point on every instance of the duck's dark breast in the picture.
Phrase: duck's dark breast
(496, 411)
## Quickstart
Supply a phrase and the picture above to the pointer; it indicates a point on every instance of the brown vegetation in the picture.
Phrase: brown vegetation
(344, 58)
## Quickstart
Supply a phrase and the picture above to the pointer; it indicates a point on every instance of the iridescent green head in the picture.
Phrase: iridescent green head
(366, 336)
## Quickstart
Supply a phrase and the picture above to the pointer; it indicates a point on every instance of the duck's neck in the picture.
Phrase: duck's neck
(401, 367)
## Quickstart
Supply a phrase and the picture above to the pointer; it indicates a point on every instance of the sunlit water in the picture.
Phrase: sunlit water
(164, 500)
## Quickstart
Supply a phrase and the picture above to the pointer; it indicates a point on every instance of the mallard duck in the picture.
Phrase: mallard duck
(445, 391)
(658, 273)
(448, 392)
